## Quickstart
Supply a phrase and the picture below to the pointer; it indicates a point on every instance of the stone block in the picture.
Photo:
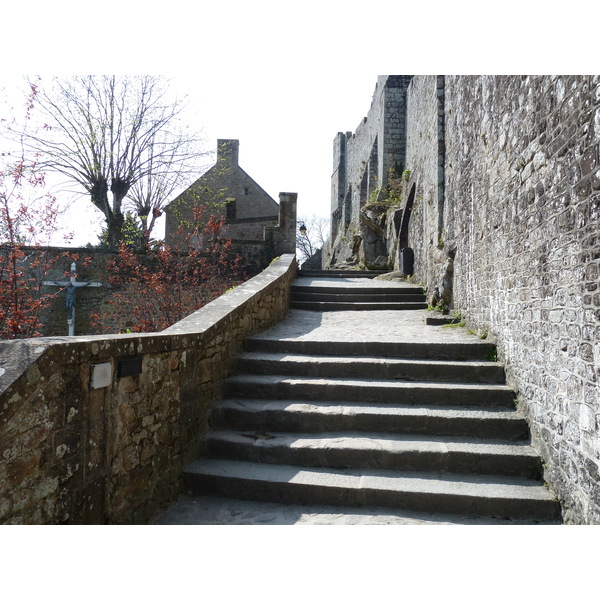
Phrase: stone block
(23, 468)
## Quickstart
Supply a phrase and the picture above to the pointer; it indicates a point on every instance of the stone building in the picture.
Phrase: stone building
(226, 190)
(493, 183)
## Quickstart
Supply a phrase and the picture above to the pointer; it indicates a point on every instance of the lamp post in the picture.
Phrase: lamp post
(302, 229)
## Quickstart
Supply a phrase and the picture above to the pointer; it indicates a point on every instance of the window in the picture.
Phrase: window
(231, 210)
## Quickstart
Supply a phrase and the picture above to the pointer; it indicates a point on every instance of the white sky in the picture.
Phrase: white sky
(281, 77)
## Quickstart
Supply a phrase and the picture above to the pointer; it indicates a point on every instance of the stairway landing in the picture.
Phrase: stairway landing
(349, 293)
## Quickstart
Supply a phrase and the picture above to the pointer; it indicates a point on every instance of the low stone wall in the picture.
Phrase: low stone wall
(96, 429)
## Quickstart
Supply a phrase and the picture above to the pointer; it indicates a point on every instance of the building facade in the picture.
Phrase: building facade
(226, 190)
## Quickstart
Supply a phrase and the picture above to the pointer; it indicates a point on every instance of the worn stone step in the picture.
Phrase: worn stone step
(340, 273)
(292, 416)
(357, 290)
(504, 497)
(370, 367)
(474, 349)
(314, 296)
(348, 390)
(336, 305)
(194, 509)
(347, 450)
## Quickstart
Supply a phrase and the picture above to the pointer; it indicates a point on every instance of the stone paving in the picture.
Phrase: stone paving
(371, 326)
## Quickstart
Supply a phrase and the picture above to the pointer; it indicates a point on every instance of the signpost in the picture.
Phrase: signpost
(71, 288)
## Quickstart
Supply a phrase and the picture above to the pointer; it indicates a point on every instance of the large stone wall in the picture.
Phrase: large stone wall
(520, 214)
(362, 163)
(502, 209)
(96, 429)
(523, 195)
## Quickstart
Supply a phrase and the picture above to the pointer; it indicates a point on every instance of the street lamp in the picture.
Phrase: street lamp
(303, 229)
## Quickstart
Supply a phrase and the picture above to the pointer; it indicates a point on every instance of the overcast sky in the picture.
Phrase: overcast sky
(282, 77)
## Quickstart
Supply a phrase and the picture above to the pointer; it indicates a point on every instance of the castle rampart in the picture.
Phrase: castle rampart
(501, 206)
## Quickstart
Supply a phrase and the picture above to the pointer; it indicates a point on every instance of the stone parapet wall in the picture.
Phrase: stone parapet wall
(96, 429)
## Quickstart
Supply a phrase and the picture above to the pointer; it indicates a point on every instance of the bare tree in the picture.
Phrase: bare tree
(151, 193)
(317, 231)
(110, 134)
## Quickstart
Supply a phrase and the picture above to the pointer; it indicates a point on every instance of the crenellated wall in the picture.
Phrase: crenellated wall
(362, 164)
(96, 429)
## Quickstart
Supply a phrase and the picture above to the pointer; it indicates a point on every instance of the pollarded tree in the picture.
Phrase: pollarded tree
(109, 134)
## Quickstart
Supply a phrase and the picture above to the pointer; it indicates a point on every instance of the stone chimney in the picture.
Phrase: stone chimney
(282, 237)
(228, 151)
(287, 223)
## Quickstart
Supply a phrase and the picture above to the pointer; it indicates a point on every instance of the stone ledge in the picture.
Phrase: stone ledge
(209, 315)
(16, 356)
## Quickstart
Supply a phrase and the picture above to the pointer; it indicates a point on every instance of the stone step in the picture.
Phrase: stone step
(347, 450)
(291, 416)
(347, 390)
(388, 298)
(324, 297)
(370, 367)
(331, 306)
(504, 497)
(339, 273)
(474, 349)
(358, 290)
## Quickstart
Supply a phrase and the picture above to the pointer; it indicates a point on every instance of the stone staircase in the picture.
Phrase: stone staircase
(331, 294)
(403, 424)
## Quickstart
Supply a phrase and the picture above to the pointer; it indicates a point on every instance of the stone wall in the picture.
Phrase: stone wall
(362, 163)
(502, 210)
(96, 429)
(423, 235)
(520, 216)
(523, 187)
(427, 220)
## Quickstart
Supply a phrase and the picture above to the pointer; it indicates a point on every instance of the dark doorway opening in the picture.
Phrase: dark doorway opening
(406, 218)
